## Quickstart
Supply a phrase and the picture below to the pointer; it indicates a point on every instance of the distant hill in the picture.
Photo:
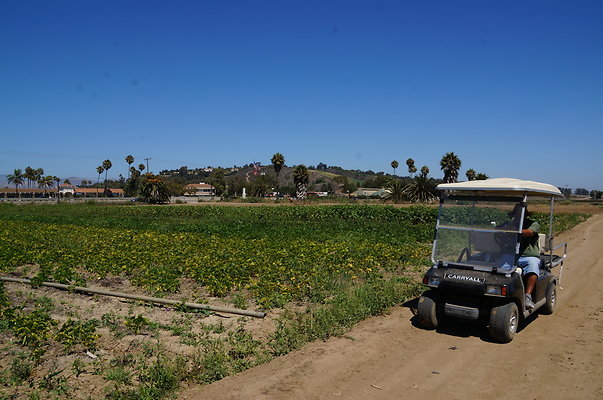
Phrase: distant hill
(321, 178)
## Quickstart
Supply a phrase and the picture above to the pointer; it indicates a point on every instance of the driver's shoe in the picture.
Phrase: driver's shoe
(529, 302)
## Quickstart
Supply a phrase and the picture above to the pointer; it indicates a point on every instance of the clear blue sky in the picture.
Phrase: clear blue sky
(514, 88)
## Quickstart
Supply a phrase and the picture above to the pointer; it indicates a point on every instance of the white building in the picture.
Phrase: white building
(199, 190)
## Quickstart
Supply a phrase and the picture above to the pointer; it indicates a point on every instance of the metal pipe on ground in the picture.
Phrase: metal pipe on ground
(257, 314)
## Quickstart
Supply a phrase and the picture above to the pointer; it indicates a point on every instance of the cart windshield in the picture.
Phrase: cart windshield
(482, 233)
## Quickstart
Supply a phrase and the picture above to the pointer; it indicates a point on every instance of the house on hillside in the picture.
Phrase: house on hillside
(199, 190)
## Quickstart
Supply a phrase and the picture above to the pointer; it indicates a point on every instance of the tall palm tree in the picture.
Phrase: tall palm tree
(107, 165)
(450, 164)
(301, 179)
(30, 175)
(134, 173)
(57, 180)
(16, 178)
(141, 167)
(100, 170)
(394, 165)
(39, 173)
(277, 160)
(129, 160)
(411, 166)
(470, 174)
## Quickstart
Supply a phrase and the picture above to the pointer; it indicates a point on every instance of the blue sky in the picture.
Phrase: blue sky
(515, 89)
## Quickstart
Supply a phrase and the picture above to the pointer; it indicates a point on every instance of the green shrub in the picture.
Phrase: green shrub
(77, 332)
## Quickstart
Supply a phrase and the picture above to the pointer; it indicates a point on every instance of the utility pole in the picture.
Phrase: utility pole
(147, 160)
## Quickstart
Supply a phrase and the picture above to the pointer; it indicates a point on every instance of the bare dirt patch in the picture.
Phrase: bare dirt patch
(126, 328)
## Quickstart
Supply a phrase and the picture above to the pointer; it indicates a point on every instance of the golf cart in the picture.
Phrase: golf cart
(475, 274)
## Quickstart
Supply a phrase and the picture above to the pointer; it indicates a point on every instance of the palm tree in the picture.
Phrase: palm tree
(57, 180)
(100, 170)
(411, 166)
(258, 189)
(45, 182)
(277, 160)
(154, 191)
(470, 174)
(16, 178)
(129, 160)
(422, 188)
(301, 178)
(107, 165)
(395, 191)
(141, 167)
(30, 175)
(38, 174)
(481, 177)
(394, 165)
(134, 173)
(450, 164)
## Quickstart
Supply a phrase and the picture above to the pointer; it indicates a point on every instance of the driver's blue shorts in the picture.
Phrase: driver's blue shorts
(529, 265)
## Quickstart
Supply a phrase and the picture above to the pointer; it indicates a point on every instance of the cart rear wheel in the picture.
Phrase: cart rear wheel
(427, 311)
(551, 300)
(504, 321)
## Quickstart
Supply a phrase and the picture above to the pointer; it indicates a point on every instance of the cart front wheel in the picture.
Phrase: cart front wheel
(427, 311)
(504, 321)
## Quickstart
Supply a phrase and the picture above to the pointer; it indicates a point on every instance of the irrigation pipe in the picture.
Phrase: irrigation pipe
(257, 314)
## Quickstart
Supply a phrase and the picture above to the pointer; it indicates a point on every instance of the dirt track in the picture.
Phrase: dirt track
(553, 357)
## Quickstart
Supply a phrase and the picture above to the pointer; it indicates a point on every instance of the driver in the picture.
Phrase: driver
(529, 253)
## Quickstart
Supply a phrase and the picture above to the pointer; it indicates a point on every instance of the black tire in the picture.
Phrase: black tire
(504, 321)
(427, 311)
(551, 300)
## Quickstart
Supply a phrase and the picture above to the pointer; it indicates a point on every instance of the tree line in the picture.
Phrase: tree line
(33, 176)
(419, 186)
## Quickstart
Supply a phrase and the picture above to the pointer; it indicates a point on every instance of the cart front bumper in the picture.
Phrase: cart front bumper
(462, 312)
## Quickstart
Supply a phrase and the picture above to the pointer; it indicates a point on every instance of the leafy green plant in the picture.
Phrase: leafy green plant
(54, 382)
(32, 329)
(137, 324)
(74, 332)
(78, 367)
(20, 369)
(239, 301)
(119, 375)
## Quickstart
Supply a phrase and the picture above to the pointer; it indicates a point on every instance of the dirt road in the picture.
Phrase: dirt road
(559, 356)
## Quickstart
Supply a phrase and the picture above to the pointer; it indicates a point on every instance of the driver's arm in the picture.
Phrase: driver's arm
(532, 230)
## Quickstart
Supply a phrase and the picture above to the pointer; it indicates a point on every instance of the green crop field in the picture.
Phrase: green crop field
(278, 253)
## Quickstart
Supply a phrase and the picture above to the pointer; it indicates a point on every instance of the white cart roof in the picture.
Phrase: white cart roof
(504, 186)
